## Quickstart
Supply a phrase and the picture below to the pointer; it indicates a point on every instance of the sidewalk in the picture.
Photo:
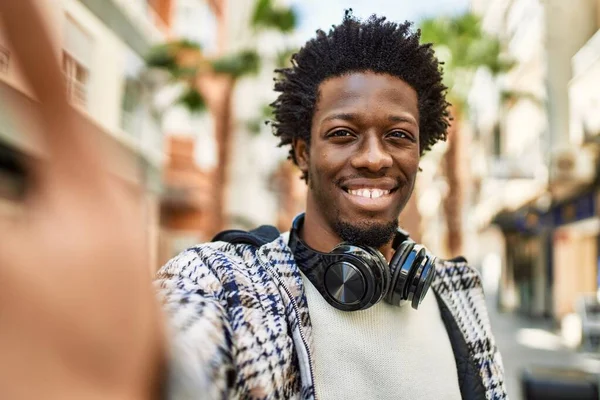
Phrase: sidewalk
(524, 343)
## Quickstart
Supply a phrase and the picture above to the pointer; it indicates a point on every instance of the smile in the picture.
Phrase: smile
(370, 193)
(370, 199)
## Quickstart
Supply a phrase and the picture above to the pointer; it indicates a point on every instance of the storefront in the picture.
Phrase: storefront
(525, 279)
(575, 245)
(552, 257)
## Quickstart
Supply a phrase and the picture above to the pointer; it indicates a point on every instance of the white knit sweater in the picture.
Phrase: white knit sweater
(384, 352)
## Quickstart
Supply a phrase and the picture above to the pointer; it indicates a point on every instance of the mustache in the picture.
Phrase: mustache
(343, 180)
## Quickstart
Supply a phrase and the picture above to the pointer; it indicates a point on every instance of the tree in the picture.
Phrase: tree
(463, 46)
(210, 80)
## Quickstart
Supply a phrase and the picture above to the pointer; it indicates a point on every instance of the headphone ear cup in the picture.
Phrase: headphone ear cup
(366, 263)
(377, 273)
(422, 282)
(382, 273)
(398, 277)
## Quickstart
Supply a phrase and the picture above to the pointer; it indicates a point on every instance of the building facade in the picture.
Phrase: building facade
(261, 188)
(535, 132)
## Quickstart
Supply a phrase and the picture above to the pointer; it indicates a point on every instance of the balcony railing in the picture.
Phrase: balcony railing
(77, 93)
(130, 21)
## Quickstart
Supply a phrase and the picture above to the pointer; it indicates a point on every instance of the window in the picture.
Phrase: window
(77, 59)
(4, 60)
(76, 77)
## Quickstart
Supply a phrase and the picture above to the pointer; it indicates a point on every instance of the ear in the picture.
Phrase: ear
(301, 153)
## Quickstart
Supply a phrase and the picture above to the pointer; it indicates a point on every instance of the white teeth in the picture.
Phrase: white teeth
(369, 193)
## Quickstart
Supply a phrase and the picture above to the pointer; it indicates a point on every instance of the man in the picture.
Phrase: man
(359, 106)
(78, 318)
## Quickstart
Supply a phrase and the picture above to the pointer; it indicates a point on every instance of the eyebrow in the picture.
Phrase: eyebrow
(397, 118)
(352, 117)
(343, 116)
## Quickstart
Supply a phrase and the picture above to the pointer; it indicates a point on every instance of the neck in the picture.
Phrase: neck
(317, 234)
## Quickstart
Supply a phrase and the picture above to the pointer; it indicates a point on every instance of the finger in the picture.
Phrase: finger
(71, 155)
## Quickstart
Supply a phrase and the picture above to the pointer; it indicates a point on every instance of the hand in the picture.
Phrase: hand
(78, 317)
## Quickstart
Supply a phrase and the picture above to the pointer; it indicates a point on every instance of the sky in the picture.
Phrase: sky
(314, 14)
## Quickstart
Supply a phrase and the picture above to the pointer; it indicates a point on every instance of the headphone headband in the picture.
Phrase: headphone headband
(352, 277)
(295, 240)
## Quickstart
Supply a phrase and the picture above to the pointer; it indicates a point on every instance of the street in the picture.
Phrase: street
(526, 343)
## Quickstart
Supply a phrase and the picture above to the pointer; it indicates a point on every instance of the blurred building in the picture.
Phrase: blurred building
(535, 141)
(186, 198)
(260, 186)
(102, 44)
(255, 196)
(190, 147)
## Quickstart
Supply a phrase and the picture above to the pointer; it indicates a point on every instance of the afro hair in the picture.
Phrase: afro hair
(375, 45)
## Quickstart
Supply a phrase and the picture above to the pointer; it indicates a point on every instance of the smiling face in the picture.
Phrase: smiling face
(362, 159)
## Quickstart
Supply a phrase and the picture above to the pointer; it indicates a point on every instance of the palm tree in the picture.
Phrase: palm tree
(210, 81)
(464, 47)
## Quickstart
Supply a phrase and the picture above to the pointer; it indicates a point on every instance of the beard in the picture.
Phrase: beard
(374, 235)
(364, 232)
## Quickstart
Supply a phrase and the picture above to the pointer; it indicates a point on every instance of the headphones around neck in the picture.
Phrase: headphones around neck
(353, 278)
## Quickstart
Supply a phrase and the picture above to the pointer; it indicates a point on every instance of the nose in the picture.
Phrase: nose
(372, 155)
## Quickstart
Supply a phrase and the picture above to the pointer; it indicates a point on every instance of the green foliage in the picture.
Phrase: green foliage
(243, 63)
(487, 52)
(165, 56)
(184, 60)
(184, 73)
(461, 43)
(254, 125)
(267, 111)
(192, 100)
(161, 56)
(511, 96)
(267, 16)
(284, 57)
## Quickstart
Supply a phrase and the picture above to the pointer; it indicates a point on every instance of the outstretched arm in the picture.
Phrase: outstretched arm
(78, 316)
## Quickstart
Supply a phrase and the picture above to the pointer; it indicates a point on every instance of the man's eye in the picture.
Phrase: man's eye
(401, 135)
(340, 133)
